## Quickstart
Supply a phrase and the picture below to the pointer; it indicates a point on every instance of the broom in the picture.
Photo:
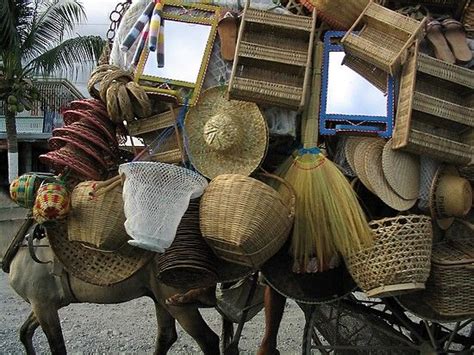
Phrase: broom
(328, 219)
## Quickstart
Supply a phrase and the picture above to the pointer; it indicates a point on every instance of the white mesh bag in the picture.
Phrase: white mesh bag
(155, 196)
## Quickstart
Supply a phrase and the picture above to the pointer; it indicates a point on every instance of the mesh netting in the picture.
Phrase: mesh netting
(156, 195)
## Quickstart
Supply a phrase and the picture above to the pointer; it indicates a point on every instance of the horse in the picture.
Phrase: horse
(47, 291)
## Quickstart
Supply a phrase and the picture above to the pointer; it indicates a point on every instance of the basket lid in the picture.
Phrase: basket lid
(454, 252)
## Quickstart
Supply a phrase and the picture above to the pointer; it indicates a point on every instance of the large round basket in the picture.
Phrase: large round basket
(189, 262)
(399, 260)
(244, 220)
(93, 266)
(97, 216)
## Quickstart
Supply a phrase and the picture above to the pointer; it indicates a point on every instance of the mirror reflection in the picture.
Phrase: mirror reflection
(348, 93)
(185, 46)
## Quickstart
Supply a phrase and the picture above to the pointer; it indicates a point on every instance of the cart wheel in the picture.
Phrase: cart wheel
(339, 328)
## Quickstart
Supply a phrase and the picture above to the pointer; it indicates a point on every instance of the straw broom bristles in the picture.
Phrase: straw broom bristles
(328, 219)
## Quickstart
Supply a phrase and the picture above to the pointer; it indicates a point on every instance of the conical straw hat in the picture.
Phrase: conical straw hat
(450, 196)
(402, 171)
(225, 137)
(377, 180)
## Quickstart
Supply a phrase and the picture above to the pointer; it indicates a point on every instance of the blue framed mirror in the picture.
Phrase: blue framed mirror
(350, 102)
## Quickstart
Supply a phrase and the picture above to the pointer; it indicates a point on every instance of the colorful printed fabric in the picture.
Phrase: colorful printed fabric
(160, 54)
(155, 24)
(141, 46)
(137, 28)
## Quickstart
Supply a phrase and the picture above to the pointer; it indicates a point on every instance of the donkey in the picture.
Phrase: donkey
(46, 292)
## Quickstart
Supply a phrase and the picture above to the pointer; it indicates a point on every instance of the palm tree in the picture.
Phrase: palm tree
(32, 42)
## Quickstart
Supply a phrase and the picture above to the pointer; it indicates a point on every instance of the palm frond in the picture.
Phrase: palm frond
(72, 53)
(15, 18)
(54, 20)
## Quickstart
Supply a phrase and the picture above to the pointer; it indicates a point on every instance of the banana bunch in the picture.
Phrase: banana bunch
(125, 99)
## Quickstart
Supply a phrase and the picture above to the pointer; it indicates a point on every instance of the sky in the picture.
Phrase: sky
(97, 23)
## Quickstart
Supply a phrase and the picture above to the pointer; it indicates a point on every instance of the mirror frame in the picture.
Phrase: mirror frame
(364, 124)
(152, 83)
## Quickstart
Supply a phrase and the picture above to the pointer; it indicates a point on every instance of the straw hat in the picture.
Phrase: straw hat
(377, 180)
(428, 168)
(225, 137)
(402, 171)
(358, 151)
(450, 196)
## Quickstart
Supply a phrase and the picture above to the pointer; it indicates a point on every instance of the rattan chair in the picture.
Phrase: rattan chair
(273, 57)
(384, 38)
(435, 110)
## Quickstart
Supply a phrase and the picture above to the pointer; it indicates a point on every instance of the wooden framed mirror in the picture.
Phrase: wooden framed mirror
(189, 33)
(352, 101)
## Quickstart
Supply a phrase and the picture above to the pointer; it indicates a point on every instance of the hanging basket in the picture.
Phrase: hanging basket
(244, 220)
(399, 260)
(23, 189)
(97, 216)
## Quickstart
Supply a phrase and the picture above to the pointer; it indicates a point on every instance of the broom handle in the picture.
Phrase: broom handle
(310, 119)
(105, 183)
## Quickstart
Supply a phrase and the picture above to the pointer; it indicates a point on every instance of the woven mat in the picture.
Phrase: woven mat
(92, 266)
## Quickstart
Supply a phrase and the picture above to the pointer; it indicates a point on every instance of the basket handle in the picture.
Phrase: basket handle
(106, 186)
(289, 187)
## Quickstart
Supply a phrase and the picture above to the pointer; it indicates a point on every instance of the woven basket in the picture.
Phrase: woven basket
(96, 267)
(450, 287)
(97, 215)
(244, 220)
(52, 202)
(399, 260)
(23, 188)
(468, 18)
(384, 38)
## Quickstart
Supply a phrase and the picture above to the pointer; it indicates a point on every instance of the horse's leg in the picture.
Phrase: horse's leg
(274, 307)
(27, 331)
(192, 322)
(227, 333)
(48, 318)
(167, 335)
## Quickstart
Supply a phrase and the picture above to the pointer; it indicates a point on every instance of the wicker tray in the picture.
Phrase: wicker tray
(435, 114)
(272, 60)
(450, 287)
(384, 38)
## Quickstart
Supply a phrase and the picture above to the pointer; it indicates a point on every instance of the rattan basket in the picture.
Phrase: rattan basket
(450, 287)
(384, 38)
(399, 260)
(244, 220)
(97, 216)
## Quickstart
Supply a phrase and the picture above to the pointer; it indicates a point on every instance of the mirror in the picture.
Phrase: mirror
(189, 33)
(350, 102)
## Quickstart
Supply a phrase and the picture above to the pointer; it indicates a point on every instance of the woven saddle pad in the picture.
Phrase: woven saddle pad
(93, 266)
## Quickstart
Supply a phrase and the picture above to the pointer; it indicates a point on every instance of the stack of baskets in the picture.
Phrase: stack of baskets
(188, 262)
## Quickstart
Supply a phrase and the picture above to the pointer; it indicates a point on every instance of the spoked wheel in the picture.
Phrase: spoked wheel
(357, 325)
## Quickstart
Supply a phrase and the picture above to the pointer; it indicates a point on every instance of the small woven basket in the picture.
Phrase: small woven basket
(450, 287)
(399, 260)
(23, 188)
(97, 216)
(244, 220)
